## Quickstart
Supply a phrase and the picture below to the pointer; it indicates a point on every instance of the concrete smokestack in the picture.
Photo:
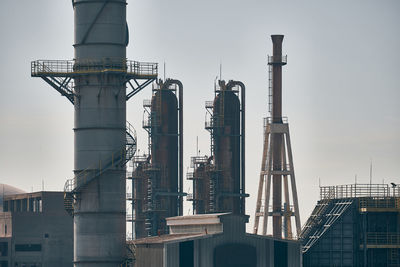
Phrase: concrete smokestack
(101, 38)
(104, 141)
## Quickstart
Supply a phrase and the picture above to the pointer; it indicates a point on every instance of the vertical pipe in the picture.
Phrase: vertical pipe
(242, 191)
(180, 146)
(133, 209)
(180, 133)
(277, 118)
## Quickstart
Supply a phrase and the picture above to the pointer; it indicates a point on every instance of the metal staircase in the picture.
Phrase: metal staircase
(322, 218)
(120, 157)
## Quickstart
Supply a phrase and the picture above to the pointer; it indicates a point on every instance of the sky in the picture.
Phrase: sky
(341, 85)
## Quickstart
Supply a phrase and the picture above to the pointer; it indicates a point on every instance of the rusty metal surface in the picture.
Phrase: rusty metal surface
(227, 149)
(164, 151)
(277, 146)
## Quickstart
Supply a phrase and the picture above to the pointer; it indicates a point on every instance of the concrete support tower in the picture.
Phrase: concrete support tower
(102, 141)
(277, 160)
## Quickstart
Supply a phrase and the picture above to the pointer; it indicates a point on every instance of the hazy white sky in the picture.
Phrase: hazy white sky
(340, 87)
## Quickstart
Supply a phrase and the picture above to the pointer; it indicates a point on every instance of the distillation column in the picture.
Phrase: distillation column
(101, 37)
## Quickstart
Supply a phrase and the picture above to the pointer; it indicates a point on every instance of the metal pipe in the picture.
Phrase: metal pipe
(277, 78)
(229, 86)
(180, 132)
(277, 148)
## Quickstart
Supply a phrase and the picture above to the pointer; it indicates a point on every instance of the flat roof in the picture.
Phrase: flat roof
(168, 238)
(30, 195)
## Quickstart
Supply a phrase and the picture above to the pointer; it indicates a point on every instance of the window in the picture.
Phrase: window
(186, 257)
(28, 247)
(3, 249)
(280, 254)
(5, 206)
(229, 255)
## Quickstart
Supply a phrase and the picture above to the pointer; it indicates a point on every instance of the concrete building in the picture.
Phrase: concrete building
(213, 240)
(6, 190)
(35, 231)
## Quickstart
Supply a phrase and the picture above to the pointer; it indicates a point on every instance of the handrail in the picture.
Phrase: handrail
(270, 120)
(147, 103)
(379, 203)
(72, 67)
(270, 208)
(277, 59)
(383, 238)
(209, 104)
(358, 190)
(194, 175)
(121, 155)
(198, 160)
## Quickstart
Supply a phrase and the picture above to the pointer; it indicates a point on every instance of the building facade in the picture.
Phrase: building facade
(354, 225)
(213, 240)
(35, 231)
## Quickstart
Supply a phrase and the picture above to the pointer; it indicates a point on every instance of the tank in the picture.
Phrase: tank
(163, 184)
(226, 152)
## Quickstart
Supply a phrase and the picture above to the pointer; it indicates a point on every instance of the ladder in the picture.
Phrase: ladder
(270, 96)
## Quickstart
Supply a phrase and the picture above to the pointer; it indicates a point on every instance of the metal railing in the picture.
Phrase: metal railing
(118, 157)
(198, 160)
(277, 59)
(142, 68)
(387, 238)
(214, 122)
(85, 176)
(193, 175)
(146, 123)
(358, 190)
(72, 67)
(283, 208)
(147, 103)
(153, 167)
(269, 120)
(140, 159)
(279, 167)
(52, 67)
(209, 104)
(379, 203)
(150, 122)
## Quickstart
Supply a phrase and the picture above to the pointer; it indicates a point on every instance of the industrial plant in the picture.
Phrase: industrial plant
(96, 221)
